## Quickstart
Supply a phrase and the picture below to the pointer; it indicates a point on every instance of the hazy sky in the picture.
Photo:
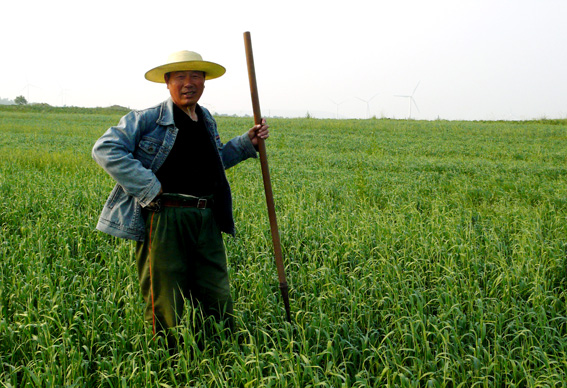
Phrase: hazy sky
(497, 59)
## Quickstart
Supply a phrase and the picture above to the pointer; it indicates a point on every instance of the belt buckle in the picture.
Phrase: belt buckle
(155, 206)
(202, 203)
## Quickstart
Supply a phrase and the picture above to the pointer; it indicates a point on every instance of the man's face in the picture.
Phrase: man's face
(186, 87)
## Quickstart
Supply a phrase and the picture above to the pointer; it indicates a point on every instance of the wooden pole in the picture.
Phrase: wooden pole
(284, 288)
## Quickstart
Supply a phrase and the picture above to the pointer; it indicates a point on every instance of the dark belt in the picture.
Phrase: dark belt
(165, 201)
(199, 203)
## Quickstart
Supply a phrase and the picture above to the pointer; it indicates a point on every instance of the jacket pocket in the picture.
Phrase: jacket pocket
(147, 150)
(113, 197)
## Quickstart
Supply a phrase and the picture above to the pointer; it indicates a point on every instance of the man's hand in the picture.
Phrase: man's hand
(259, 131)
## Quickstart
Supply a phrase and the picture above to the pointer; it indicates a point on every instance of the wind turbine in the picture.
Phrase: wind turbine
(410, 99)
(27, 88)
(367, 104)
(338, 104)
(64, 93)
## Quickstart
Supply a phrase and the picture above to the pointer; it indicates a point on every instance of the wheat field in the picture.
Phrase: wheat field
(418, 253)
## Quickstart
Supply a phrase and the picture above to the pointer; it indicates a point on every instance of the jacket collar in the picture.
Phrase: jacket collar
(166, 113)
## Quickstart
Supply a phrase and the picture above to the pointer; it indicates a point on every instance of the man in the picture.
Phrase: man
(172, 195)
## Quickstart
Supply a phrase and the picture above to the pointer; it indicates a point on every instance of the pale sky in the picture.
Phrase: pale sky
(473, 60)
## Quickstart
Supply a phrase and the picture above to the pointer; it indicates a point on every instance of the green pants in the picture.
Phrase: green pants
(182, 257)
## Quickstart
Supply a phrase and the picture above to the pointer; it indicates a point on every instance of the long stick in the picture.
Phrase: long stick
(266, 175)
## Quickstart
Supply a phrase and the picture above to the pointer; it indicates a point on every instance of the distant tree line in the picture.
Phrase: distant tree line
(6, 101)
(43, 107)
(20, 100)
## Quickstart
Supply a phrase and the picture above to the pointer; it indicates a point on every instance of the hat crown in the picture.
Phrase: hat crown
(184, 56)
(185, 61)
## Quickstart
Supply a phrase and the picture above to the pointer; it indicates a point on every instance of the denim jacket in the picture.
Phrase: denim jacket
(132, 151)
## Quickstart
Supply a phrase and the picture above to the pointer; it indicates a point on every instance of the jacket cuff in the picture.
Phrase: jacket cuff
(150, 194)
(247, 146)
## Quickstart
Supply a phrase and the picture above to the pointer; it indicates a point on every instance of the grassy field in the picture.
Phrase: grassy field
(419, 254)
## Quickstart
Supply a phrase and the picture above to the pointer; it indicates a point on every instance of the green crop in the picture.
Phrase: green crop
(419, 254)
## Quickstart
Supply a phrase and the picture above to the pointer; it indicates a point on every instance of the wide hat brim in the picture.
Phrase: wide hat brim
(185, 61)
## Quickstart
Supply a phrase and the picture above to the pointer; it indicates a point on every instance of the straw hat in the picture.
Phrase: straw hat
(184, 61)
